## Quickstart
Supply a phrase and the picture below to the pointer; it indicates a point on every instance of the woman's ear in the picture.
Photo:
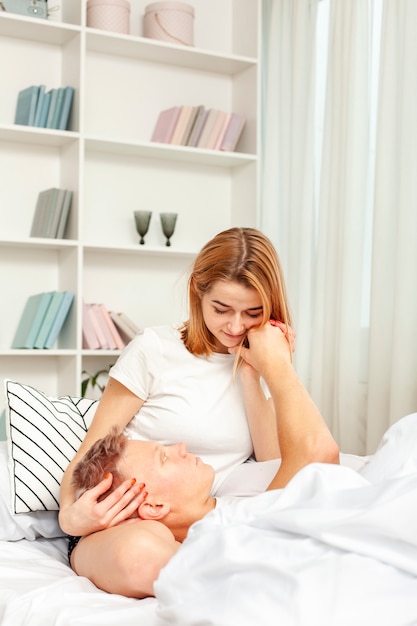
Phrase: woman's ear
(151, 511)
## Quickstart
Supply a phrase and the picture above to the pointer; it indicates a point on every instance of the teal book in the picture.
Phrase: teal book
(66, 108)
(55, 212)
(43, 218)
(60, 318)
(31, 320)
(45, 109)
(64, 214)
(27, 100)
(58, 108)
(52, 106)
(48, 320)
(39, 105)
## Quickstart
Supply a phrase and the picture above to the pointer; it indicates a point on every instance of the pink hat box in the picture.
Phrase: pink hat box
(111, 15)
(169, 21)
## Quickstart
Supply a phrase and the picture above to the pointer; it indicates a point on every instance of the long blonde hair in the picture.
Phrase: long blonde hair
(243, 255)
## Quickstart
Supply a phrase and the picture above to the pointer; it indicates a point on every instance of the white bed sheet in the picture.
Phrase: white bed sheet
(336, 547)
(38, 588)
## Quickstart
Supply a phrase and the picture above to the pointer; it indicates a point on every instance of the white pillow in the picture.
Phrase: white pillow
(23, 525)
(43, 435)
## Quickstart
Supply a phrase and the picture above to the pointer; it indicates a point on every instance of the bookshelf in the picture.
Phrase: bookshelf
(106, 157)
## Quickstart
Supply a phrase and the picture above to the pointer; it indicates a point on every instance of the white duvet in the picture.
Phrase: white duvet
(336, 547)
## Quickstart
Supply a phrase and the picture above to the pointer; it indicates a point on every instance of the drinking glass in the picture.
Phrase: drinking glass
(142, 220)
(168, 221)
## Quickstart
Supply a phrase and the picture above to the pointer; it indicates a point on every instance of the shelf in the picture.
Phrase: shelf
(38, 136)
(145, 250)
(37, 353)
(39, 244)
(33, 29)
(169, 152)
(166, 53)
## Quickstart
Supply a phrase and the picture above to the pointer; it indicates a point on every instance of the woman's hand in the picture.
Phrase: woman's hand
(89, 513)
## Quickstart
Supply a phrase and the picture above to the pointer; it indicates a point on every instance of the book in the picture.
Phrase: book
(165, 125)
(181, 125)
(66, 108)
(208, 127)
(127, 328)
(52, 107)
(197, 128)
(60, 318)
(40, 216)
(39, 105)
(48, 320)
(99, 326)
(89, 335)
(56, 113)
(120, 344)
(63, 219)
(55, 209)
(31, 320)
(233, 132)
(215, 130)
(45, 109)
(222, 131)
(27, 100)
(189, 125)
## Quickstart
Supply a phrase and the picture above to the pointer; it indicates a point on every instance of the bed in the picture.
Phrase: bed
(336, 547)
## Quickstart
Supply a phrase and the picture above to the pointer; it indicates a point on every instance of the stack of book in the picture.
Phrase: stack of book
(106, 330)
(45, 109)
(42, 319)
(51, 213)
(199, 127)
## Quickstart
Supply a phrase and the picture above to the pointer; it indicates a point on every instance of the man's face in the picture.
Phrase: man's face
(169, 472)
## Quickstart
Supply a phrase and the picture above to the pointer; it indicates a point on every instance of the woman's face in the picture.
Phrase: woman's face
(229, 311)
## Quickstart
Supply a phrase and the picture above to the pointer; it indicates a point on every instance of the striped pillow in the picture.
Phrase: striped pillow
(43, 435)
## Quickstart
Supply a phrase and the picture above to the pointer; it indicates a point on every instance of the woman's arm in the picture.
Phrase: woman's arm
(80, 517)
(261, 415)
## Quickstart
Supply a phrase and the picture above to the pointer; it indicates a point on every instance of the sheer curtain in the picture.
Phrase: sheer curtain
(330, 199)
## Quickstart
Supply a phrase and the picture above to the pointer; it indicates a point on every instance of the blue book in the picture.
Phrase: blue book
(48, 320)
(52, 105)
(64, 214)
(31, 320)
(45, 109)
(27, 100)
(60, 318)
(58, 107)
(39, 105)
(66, 108)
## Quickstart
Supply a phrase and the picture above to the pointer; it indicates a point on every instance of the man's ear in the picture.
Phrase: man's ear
(152, 511)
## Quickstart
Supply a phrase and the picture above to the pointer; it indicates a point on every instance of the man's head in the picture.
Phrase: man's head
(178, 483)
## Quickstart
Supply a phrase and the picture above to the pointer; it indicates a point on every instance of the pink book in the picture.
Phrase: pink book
(165, 125)
(90, 339)
(208, 127)
(222, 132)
(120, 344)
(198, 127)
(233, 132)
(182, 124)
(99, 326)
(125, 325)
(217, 126)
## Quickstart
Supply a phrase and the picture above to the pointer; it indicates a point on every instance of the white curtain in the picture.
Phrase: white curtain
(393, 322)
(322, 184)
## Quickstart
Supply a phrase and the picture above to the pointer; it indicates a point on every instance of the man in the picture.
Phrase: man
(178, 483)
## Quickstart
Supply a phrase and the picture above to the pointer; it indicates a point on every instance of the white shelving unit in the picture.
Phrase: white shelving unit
(122, 82)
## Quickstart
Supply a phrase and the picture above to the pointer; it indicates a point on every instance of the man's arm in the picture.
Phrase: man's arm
(302, 432)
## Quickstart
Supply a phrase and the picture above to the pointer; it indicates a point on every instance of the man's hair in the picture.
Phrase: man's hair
(243, 255)
(103, 457)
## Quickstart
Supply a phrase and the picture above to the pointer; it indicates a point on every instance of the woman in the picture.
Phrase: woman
(181, 384)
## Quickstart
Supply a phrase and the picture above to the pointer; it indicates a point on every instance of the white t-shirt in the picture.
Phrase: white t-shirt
(188, 398)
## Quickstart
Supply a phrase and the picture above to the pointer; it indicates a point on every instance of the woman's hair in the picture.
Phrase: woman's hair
(103, 457)
(243, 255)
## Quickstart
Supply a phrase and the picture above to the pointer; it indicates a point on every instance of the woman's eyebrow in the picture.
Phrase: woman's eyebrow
(255, 308)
